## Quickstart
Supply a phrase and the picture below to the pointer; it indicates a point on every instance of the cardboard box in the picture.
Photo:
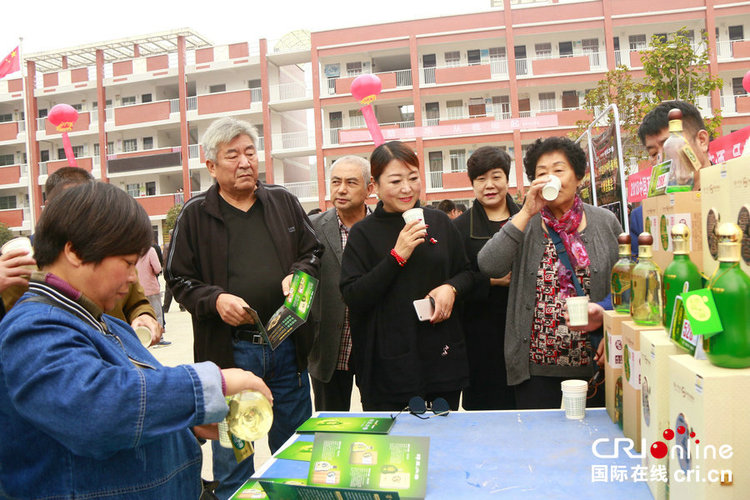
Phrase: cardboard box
(725, 190)
(631, 380)
(656, 348)
(711, 404)
(613, 364)
(662, 212)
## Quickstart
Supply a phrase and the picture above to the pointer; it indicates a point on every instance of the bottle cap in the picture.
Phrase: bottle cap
(675, 120)
(645, 240)
(675, 114)
(730, 239)
(623, 239)
(680, 239)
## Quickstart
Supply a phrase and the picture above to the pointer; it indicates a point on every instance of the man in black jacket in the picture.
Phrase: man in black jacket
(236, 246)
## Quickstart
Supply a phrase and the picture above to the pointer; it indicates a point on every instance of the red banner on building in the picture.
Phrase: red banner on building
(729, 146)
(480, 127)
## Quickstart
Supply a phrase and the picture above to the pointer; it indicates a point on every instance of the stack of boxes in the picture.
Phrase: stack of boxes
(665, 391)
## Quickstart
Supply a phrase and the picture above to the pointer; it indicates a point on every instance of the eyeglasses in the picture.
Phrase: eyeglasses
(418, 407)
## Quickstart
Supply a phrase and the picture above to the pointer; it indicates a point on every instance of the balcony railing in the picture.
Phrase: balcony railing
(194, 151)
(303, 190)
(294, 140)
(435, 180)
(192, 103)
(256, 94)
(292, 90)
(402, 79)
(332, 134)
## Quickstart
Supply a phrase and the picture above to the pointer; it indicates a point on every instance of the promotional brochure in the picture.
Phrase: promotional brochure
(359, 425)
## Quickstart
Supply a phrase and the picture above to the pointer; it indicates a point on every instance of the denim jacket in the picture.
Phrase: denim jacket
(87, 412)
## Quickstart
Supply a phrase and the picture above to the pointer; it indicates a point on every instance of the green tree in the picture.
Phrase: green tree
(5, 234)
(170, 220)
(673, 69)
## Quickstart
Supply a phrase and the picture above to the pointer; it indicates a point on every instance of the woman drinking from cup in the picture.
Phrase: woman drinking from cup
(389, 263)
(541, 349)
(484, 309)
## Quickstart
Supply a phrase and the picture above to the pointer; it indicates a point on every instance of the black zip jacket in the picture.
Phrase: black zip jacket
(196, 266)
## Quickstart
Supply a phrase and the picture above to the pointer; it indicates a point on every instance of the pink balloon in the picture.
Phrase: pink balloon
(746, 82)
(63, 116)
(365, 86)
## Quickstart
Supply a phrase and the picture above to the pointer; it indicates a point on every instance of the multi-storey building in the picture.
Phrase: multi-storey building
(450, 85)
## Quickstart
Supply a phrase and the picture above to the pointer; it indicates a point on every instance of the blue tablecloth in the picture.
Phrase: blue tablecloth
(508, 454)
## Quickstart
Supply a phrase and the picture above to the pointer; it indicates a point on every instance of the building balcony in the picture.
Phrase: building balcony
(13, 131)
(232, 102)
(304, 191)
(18, 219)
(50, 167)
(85, 124)
(223, 56)
(158, 205)
(13, 175)
(332, 136)
(732, 49)
(390, 80)
(292, 144)
(151, 159)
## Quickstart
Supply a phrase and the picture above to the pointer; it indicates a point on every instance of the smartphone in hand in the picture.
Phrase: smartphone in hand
(425, 308)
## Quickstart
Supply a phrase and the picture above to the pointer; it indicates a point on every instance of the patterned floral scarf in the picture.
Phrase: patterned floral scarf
(567, 228)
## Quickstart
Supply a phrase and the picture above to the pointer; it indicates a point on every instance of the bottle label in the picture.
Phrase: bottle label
(701, 312)
(690, 155)
(614, 350)
(634, 359)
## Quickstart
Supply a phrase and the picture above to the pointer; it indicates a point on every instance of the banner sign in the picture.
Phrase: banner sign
(638, 185)
(729, 146)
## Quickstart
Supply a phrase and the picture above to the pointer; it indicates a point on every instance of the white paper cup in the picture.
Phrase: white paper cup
(22, 242)
(413, 214)
(574, 398)
(578, 310)
(552, 188)
(144, 335)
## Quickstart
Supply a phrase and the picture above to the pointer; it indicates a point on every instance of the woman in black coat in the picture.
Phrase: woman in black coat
(484, 309)
(386, 266)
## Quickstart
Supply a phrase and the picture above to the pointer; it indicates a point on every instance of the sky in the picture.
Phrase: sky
(52, 25)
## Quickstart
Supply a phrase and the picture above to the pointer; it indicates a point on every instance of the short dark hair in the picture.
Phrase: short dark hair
(461, 207)
(572, 151)
(98, 219)
(657, 119)
(64, 177)
(385, 153)
(446, 206)
(485, 159)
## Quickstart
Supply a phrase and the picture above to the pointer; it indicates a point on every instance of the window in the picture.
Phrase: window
(458, 160)
(150, 188)
(353, 68)
(7, 159)
(501, 106)
(335, 122)
(736, 33)
(253, 84)
(546, 101)
(498, 60)
(130, 145)
(77, 152)
(43, 113)
(452, 58)
(543, 50)
(570, 99)
(662, 37)
(44, 155)
(96, 149)
(407, 113)
(436, 169)
(356, 120)
(432, 113)
(477, 107)
(566, 49)
(8, 117)
(77, 107)
(146, 98)
(520, 52)
(129, 100)
(637, 42)
(737, 88)
(455, 109)
(219, 87)
(7, 202)
(148, 143)
(134, 190)
(474, 57)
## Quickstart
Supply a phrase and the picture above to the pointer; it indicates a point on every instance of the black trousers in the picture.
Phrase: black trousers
(335, 395)
(539, 393)
(452, 397)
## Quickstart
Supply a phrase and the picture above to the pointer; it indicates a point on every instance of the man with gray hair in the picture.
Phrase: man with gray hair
(332, 376)
(236, 246)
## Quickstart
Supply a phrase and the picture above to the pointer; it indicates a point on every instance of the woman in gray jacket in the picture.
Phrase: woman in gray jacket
(540, 349)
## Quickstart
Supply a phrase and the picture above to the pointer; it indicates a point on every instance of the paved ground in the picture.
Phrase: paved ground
(180, 332)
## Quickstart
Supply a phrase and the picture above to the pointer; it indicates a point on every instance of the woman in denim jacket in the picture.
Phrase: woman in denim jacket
(85, 410)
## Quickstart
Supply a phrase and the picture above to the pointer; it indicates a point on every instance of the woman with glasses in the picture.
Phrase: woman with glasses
(386, 266)
(484, 309)
(541, 349)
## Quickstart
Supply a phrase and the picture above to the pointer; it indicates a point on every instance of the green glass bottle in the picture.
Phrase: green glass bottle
(730, 287)
(679, 271)
(620, 284)
(645, 284)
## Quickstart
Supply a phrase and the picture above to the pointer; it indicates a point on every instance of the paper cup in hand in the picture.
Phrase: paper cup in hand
(22, 242)
(552, 188)
(413, 214)
(574, 398)
(144, 335)
(578, 310)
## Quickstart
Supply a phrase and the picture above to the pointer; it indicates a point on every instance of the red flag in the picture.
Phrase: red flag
(10, 64)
